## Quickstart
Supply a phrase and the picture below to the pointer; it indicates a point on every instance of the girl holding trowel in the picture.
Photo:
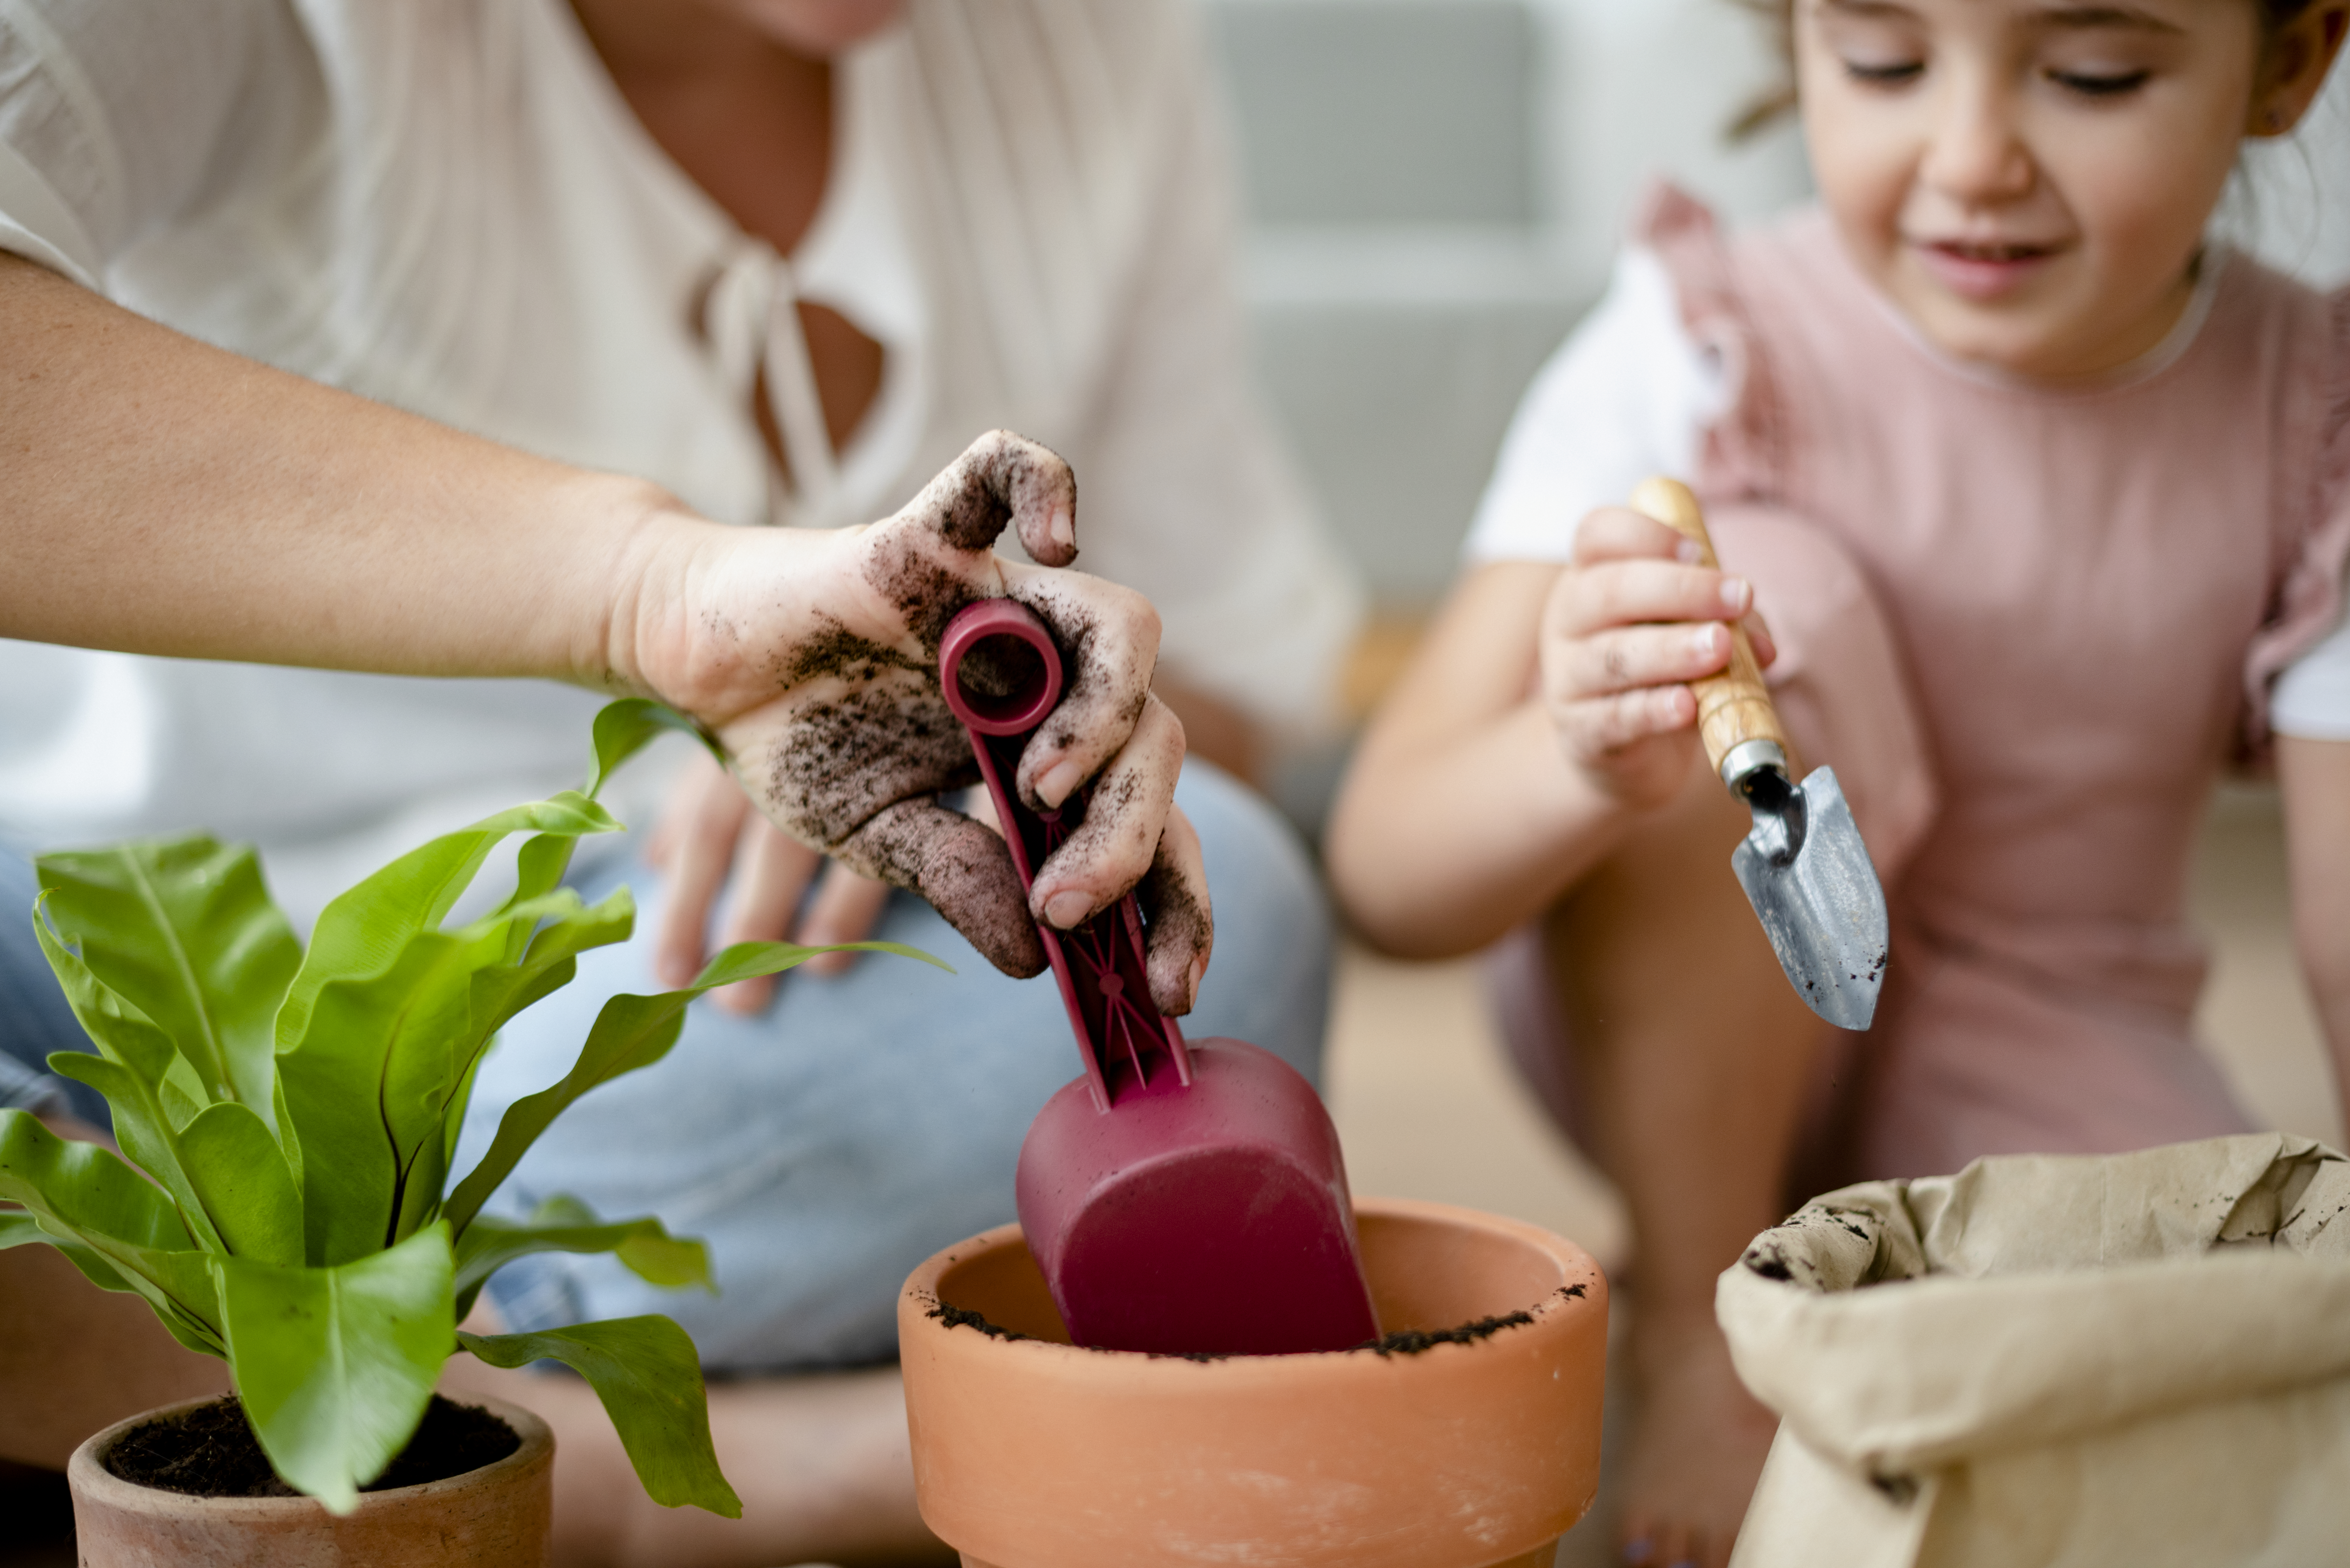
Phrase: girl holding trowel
(2046, 495)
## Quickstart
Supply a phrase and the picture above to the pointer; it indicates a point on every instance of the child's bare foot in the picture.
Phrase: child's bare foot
(1697, 1446)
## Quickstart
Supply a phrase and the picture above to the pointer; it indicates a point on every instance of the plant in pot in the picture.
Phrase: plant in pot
(291, 1116)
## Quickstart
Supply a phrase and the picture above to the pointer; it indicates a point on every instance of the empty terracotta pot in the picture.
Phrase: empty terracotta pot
(497, 1516)
(1479, 1452)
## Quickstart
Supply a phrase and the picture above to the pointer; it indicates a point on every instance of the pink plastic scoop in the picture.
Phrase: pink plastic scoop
(1186, 1198)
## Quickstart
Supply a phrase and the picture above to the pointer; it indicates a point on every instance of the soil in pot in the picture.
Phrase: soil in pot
(1465, 1436)
(488, 1515)
(1402, 1342)
(209, 1450)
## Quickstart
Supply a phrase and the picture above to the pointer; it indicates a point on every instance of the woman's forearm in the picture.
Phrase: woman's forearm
(160, 495)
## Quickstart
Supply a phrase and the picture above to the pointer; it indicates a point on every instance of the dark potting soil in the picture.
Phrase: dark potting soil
(1402, 1342)
(957, 1318)
(1416, 1341)
(211, 1451)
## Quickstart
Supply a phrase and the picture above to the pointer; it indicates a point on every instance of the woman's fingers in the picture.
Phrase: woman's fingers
(700, 826)
(1182, 929)
(961, 869)
(771, 871)
(1003, 478)
(936, 556)
(1126, 814)
(850, 753)
(1108, 638)
(844, 911)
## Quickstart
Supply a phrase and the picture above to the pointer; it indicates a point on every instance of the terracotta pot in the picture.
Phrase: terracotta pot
(1032, 1453)
(497, 1516)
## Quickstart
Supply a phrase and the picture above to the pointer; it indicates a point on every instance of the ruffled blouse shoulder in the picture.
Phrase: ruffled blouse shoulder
(2316, 543)
(1744, 451)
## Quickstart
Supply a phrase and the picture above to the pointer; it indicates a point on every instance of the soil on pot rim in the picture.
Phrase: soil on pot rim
(211, 1451)
(1402, 1342)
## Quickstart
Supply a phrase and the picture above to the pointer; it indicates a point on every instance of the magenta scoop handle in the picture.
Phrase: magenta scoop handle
(1128, 1045)
(1183, 1198)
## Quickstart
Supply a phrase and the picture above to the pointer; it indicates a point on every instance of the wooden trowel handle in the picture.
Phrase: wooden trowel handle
(1733, 707)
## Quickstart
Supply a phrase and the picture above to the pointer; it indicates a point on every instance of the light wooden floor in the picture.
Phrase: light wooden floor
(1428, 1105)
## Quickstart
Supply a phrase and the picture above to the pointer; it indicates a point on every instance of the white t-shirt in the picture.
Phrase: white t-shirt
(1630, 394)
(446, 205)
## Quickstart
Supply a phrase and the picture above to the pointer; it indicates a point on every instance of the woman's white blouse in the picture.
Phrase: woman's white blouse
(446, 205)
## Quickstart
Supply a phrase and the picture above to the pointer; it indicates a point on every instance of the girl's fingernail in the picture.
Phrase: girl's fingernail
(1057, 784)
(1705, 641)
(1065, 909)
(1737, 593)
(1199, 973)
(1064, 530)
(1639, 1551)
(1689, 552)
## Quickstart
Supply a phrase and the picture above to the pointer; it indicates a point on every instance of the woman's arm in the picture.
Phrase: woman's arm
(2315, 776)
(1546, 712)
(159, 496)
(163, 497)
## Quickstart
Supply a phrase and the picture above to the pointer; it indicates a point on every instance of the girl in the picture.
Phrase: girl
(2047, 498)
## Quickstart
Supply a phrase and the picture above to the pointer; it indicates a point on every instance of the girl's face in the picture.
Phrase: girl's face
(2029, 180)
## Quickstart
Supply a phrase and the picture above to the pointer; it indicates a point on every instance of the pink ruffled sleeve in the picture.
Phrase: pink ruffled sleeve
(2309, 602)
(1743, 450)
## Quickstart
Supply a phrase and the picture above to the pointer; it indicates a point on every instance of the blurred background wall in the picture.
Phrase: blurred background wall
(1434, 189)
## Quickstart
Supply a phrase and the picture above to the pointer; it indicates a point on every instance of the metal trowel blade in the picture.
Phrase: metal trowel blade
(1812, 883)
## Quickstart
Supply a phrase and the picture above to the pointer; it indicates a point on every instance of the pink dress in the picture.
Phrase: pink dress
(2030, 627)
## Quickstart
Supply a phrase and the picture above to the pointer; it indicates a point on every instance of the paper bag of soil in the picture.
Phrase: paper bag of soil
(2135, 1359)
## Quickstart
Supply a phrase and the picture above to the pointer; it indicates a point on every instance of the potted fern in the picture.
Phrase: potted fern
(287, 1117)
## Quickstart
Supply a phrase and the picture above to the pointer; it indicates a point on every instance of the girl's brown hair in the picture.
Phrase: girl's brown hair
(1780, 16)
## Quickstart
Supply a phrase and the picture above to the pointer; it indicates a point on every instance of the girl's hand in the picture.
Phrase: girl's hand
(1623, 630)
(813, 656)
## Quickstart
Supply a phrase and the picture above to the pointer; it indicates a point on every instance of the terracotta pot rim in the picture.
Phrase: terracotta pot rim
(922, 1287)
(87, 1475)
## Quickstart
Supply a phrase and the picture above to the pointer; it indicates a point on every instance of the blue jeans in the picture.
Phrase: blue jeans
(862, 1122)
(35, 1019)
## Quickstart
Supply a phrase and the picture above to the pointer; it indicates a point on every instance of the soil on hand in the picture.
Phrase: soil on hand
(211, 1451)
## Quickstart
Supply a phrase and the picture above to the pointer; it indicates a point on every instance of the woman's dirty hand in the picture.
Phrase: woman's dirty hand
(812, 657)
(1623, 630)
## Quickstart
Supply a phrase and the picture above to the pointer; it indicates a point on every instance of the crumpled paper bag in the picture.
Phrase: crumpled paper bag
(2047, 1361)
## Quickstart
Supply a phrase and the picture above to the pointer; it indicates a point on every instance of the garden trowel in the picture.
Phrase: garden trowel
(1803, 867)
(1185, 1197)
